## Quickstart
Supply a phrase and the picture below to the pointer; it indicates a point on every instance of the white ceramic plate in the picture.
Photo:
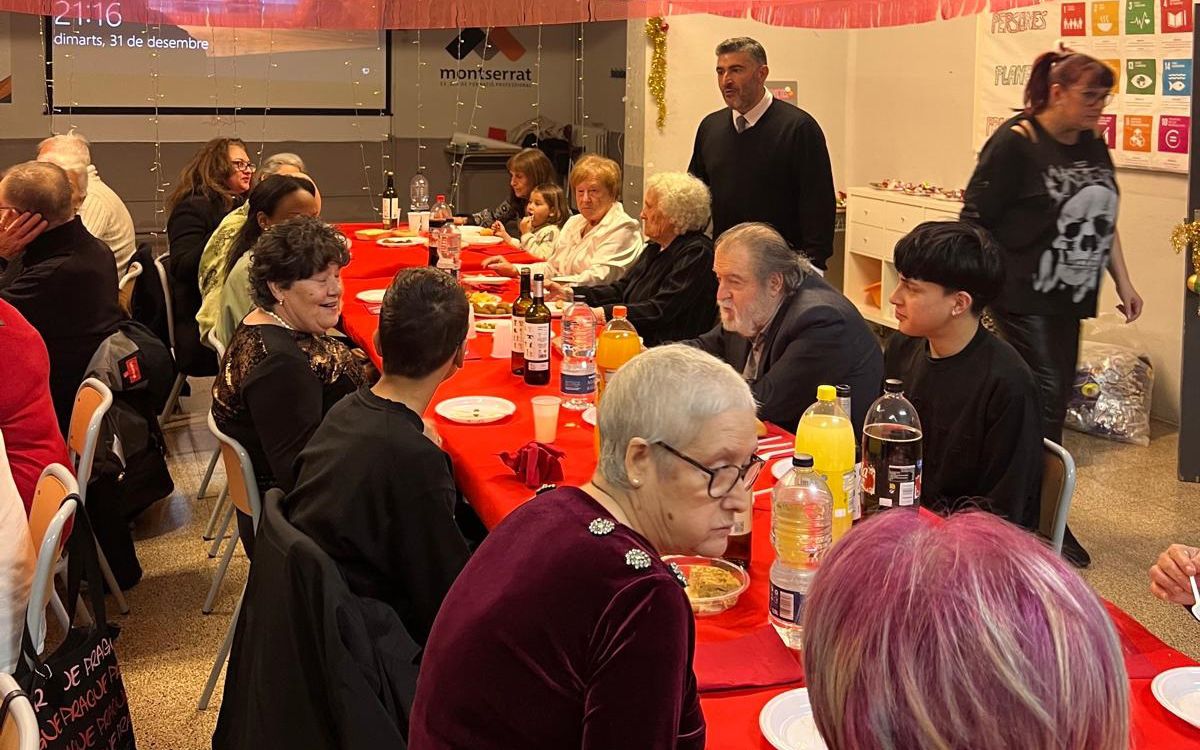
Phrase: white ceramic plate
(481, 239)
(589, 415)
(782, 466)
(470, 229)
(480, 280)
(485, 326)
(1178, 690)
(556, 308)
(787, 722)
(401, 241)
(475, 409)
(371, 296)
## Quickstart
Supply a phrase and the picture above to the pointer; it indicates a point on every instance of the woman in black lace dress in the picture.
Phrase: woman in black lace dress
(282, 370)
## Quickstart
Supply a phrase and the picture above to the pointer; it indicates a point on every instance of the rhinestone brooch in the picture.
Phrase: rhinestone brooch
(679, 576)
(601, 526)
(637, 559)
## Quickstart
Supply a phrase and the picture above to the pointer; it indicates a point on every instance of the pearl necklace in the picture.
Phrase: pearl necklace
(278, 319)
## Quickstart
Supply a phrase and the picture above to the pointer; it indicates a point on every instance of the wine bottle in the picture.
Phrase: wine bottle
(520, 306)
(537, 337)
(389, 204)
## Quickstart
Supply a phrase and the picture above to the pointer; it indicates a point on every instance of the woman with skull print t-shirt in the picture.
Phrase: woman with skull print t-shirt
(1046, 188)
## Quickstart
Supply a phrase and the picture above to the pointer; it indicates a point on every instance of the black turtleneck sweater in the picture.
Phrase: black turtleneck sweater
(777, 172)
(981, 422)
(65, 284)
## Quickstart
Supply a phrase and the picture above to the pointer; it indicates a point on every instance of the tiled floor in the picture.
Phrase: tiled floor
(1127, 507)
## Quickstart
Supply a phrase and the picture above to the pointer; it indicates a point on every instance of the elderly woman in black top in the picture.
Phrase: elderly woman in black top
(670, 291)
(282, 371)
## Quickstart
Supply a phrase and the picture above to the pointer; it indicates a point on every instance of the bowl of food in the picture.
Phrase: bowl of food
(713, 584)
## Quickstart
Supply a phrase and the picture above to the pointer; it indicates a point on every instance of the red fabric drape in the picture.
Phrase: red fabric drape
(427, 14)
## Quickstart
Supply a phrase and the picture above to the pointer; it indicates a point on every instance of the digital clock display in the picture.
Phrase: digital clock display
(99, 13)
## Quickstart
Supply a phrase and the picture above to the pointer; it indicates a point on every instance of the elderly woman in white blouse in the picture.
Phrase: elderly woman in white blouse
(597, 245)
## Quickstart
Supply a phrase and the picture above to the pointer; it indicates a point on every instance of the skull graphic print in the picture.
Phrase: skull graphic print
(1086, 226)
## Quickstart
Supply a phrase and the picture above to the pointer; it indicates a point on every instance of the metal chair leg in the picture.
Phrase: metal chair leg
(218, 506)
(219, 576)
(215, 548)
(222, 656)
(173, 399)
(111, 580)
(212, 464)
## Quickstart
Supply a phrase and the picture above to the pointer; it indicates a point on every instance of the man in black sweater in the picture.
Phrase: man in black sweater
(764, 160)
(373, 490)
(63, 280)
(786, 330)
(974, 394)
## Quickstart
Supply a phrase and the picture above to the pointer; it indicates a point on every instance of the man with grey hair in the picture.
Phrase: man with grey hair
(764, 159)
(216, 250)
(64, 281)
(786, 330)
(102, 210)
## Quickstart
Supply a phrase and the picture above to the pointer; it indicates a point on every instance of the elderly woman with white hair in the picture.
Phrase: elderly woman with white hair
(670, 292)
(566, 628)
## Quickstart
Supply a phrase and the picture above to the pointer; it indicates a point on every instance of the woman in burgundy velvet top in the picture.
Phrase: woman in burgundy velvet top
(566, 629)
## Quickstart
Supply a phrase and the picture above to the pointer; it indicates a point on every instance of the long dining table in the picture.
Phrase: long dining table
(737, 669)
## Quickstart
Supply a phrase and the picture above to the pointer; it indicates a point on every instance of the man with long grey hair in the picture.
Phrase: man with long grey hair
(785, 330)
(103, 212)
(765, 159)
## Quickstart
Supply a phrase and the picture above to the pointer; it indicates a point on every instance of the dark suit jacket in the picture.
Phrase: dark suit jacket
(817, 338)
(65, 284)
(191, 223)
(312, 665)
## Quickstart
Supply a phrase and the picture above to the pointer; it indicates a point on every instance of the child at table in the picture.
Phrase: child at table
(545, 215)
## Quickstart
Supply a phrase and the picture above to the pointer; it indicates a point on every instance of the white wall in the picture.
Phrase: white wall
(897, 103)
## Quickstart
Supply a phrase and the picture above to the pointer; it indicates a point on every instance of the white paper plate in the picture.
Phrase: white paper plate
(1178, 690)
(481, 280)
(475, 409)
(470, 229)
(485, 326)
(485, 240)
(371, 296)
(401, 241)
(589, 415)
(787, 722)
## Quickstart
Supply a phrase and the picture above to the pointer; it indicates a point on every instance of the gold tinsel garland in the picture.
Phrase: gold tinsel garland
(1183, 236)
(656, 31)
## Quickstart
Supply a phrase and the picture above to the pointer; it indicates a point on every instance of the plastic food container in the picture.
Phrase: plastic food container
(703, 606)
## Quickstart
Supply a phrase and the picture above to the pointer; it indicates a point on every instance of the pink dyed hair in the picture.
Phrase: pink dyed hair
(967, 633)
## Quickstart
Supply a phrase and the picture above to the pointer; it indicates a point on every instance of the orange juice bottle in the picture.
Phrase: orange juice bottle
(825, 433)
(618, 344)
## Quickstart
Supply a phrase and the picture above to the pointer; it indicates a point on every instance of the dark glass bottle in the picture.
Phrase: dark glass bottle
(389, 205)
(520, 306)
(537, 337)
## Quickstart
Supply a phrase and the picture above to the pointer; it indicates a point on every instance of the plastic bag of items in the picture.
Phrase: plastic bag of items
(1113, 384)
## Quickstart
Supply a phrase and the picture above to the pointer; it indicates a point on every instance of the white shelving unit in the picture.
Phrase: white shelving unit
(875, 222)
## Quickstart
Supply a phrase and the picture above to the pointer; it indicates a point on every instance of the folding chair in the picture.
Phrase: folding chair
(125, 287)
(243, 491)
(219, 348)
(160, 264)
(18, 722)
(54, 504)
(92, 402)
(1058, 486)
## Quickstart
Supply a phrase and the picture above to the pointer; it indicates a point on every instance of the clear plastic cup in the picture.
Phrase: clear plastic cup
(545, 418)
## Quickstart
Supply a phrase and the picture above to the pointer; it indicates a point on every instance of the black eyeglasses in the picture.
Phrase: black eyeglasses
(241, 165)
(722, 479)
(1096, 96)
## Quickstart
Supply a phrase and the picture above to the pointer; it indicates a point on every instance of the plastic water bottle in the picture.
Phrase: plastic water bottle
(578, 377)
(441, 224)
(450, 249)
(801, 532)
(854, 499)
(891, 452)
(418, 192)
(825, 433)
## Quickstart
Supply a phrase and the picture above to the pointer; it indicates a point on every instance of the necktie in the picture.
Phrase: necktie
(742, 123)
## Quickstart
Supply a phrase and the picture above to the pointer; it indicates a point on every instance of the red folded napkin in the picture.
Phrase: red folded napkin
(535, 464)
(758, 659)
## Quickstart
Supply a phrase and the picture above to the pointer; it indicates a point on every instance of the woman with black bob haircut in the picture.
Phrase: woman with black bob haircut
(282, 370)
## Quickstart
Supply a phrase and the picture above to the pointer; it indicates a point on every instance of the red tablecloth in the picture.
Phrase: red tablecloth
(370, 261)
(732, 715)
